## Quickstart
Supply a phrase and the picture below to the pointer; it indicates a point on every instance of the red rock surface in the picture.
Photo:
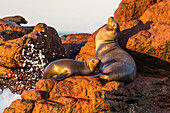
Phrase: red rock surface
(87, 94)
(132, 9)
(25, 51)
(148, 43)
(73, 43)
(156, 40)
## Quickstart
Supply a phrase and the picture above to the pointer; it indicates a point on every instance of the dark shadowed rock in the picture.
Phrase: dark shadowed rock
(73, 43)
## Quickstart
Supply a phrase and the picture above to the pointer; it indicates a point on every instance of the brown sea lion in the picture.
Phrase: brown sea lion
(8, 22)
(116, 64)
(17, 19)
(63, 68)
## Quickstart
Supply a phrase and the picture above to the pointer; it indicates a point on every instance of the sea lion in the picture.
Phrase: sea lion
(116, 64)
(63, 68)
(17, 19)
(8, 22)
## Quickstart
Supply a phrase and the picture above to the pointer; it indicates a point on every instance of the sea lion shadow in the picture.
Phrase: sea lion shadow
(145, 63)
(149, 65)
(124, 35)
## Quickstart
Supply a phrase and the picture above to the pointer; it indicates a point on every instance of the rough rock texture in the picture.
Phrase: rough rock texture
(73, 43)
(87, 94)
(25, 51)
(132, 9)
(148, 43)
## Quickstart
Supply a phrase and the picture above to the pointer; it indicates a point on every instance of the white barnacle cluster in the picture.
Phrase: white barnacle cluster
(34, 62)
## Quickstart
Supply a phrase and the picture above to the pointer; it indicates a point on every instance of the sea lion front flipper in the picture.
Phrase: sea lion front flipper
(101, 76)
(62, 76)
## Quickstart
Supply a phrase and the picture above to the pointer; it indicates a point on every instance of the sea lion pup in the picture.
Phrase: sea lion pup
(63, 68)
(8, 22)
(17, 19)
(116, 64)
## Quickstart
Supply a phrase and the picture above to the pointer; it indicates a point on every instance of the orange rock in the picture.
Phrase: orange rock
(158, 13)
(132, 9)
(20, 106)
(77, 87)
(45, 85)
(46, 106)
(34, 95)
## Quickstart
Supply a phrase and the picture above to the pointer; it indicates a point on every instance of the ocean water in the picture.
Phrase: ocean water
(64, 33)
(6, 97)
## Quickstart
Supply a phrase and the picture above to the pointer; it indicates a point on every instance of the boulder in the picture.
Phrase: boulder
(88, 94)
(132, 9)
(25, 51)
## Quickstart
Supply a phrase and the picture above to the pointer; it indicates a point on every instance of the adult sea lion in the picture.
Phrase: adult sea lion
(2, 21)
(17, 19)
(116, 64)
(63, 68)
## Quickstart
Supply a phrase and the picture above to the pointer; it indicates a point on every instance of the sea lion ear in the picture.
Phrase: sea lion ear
(93, 61)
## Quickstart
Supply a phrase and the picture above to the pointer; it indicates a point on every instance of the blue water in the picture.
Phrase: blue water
(61, 34)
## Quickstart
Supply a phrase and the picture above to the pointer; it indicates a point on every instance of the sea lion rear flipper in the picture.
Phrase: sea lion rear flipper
(62, 76)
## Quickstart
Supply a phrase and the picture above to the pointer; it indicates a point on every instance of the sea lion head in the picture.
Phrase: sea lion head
(112, 25)
(93, 63)
(111, 30)
(20, 20)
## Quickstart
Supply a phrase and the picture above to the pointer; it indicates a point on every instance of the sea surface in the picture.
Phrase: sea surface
(6, 97)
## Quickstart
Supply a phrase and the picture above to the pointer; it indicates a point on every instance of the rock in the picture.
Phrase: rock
(34, 95)
(158, 13)
(77, 94)
(146, 41)
(73, 43)
(132, 9)
(20, 106)
(45, 85)
(156, 40)
(25, 52)
(77, 87)
(83, 93)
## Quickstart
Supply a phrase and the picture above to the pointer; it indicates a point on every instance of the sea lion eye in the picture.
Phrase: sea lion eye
(93, 61)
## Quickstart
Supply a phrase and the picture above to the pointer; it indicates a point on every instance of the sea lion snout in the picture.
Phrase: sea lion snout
(112, 25)
(93, 63)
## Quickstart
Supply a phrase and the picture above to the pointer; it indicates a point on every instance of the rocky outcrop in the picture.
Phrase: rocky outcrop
(87, 94)
(151, 37)
(25, 53)
(73, 43)
(146, 38)
(132, 9)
